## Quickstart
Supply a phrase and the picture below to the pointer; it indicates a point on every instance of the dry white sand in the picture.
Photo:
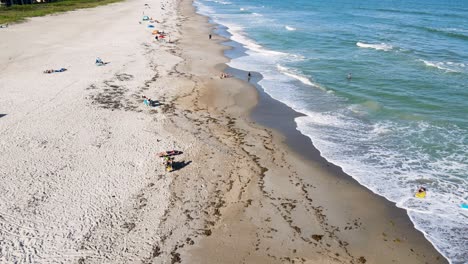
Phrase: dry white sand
(78, 147)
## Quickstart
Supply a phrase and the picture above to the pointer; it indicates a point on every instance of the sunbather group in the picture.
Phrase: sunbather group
(168, 159)
(98, 62)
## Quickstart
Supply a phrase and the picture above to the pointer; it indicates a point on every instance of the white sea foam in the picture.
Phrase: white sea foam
(223, 2)
(290, 28)
(203, 9)
(239, 36)
(446, 66)
(381, 46)
(294, 74)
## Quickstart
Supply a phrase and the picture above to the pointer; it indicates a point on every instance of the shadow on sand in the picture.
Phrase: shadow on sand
(177, 165)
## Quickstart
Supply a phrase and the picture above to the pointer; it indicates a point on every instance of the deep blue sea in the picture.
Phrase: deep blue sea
(400, 121)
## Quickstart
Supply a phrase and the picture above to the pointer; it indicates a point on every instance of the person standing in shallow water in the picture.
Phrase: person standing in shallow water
(249, 75)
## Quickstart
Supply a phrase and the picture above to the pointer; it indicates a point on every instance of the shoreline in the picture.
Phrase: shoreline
(273, 115)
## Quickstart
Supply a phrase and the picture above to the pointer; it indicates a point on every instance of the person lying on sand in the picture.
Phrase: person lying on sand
(99, 62)
(169, 153)
(225, 75)
(52, 71)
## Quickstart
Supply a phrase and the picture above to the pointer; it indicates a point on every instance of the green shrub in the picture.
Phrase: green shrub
(19, 13)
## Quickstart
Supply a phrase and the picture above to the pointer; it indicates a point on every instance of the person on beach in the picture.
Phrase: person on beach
(249, 75)
(225, 75)
(168, 163)
(52, 71)
(209, 36)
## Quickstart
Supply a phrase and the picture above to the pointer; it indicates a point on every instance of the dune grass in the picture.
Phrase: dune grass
(19, 13)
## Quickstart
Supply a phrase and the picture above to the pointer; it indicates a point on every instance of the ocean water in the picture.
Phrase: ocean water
(400, 122)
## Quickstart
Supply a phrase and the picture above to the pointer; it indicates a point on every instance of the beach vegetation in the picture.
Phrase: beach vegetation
(19, 13)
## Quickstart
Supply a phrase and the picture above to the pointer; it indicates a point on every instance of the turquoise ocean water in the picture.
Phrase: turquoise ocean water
(400, 122)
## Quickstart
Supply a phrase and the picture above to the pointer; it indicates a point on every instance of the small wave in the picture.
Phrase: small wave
(446, 66)
(223, 2)
(256, 14)
(290, 28)
(448, 32)
(297, 76)
(402, 11)
(238, 36)
(381, 46)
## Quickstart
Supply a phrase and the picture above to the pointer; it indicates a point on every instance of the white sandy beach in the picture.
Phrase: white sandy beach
(81, 183)
(78, 148)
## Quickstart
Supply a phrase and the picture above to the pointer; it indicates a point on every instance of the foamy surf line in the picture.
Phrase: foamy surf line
(303, 79)
(446, 66)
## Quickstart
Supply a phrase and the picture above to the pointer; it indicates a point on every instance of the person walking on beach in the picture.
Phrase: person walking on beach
(209, 36)
(249, 75)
